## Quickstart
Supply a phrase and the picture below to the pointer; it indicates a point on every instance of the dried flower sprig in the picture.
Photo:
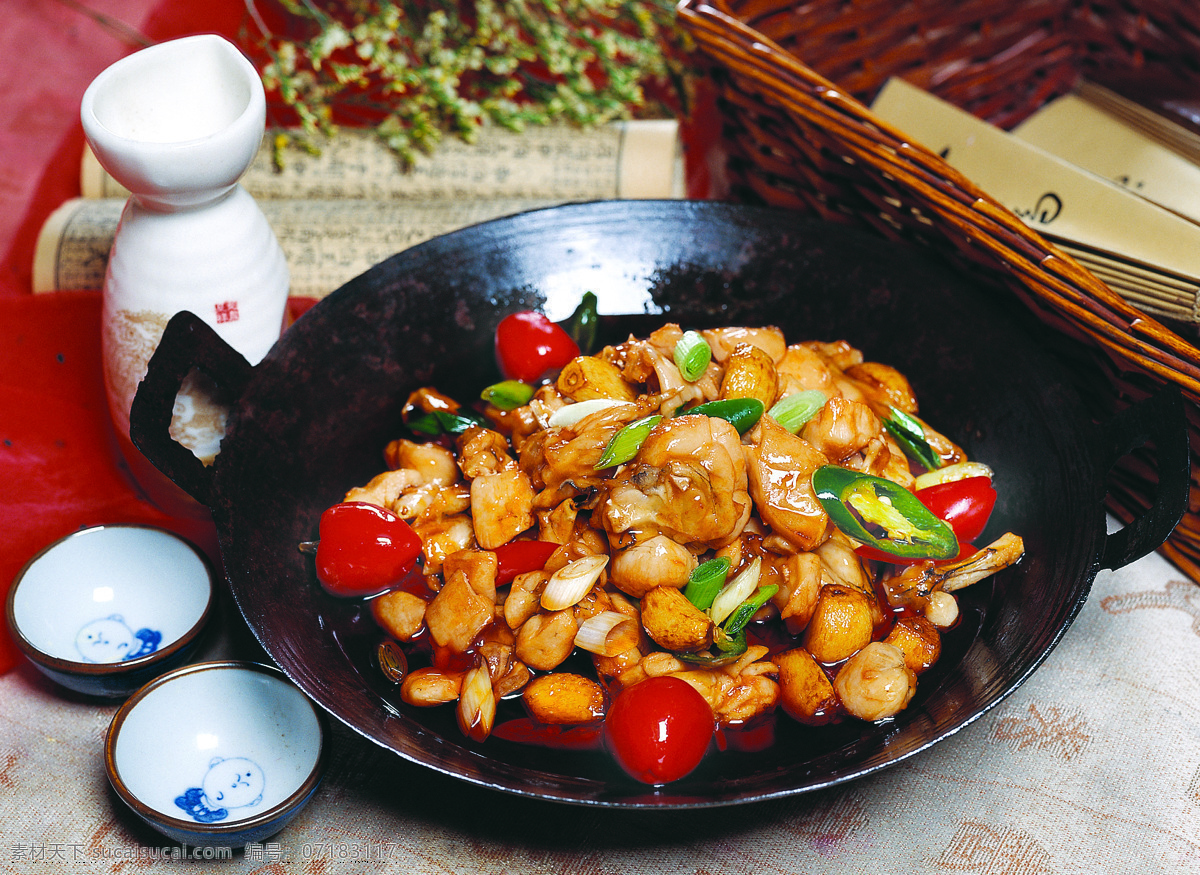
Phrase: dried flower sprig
(417, 70)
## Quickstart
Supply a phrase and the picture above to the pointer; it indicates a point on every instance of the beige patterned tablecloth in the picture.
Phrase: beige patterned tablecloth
(1093, 766)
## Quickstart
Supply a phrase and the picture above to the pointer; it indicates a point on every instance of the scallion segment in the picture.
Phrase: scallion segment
(507, 394)
(625, 443)
(706, 581)
(793, 411)
(692, 355)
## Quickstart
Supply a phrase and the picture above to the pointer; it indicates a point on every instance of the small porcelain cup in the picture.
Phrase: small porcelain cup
(106, 609)
(217, 754)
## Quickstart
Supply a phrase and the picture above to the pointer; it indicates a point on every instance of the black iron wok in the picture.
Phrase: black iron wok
(312, 418)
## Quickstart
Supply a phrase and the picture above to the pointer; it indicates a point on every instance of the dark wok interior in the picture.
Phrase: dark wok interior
(318, 411)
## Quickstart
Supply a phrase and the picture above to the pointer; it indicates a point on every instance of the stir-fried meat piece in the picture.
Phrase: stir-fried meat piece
(441, 536)
(780, 474)
(688, 481)
(798, 577)
(649, 562)
(483, 451)
(839, 353)
(884, 385)
(723, 341)
(875, 683)
(569, 455)
(545, 640)
(434, 464)
(801, 369)
(842, 428)
(739, 692)
(913, 587)
(501, 507)
(466, 603)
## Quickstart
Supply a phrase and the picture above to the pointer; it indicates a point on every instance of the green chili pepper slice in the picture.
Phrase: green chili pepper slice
(583, 324)
(706, 581)
(910, 434)
(882, 514)
(507, 394)
(741, 413)
(625, 443)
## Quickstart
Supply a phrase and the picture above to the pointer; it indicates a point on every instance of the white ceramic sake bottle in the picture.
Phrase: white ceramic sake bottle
(178, 124)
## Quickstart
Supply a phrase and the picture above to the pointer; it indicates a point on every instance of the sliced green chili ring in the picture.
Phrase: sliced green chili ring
(706, 581)
(584, 323)
(741, 616)
(910, 434)
(440, 422)
(882, 514)
(741, 413)
(507, 394)
(692, 355)
(794, 410)
(625, 443)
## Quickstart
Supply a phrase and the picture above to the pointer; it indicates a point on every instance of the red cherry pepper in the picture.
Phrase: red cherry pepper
(528, 345)
(659, 729)
(965, 504)
(519, 557)
(364, 549)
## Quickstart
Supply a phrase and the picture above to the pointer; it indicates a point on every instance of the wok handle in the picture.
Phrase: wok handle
(188, 342)
(1161, 420)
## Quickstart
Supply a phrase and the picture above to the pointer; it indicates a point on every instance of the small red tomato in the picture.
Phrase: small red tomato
(965, 504)
(519, 557)
(364, 549)
(659, 730)
(528, 345)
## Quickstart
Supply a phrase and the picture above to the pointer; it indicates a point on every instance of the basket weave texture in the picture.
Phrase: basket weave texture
(793, 81)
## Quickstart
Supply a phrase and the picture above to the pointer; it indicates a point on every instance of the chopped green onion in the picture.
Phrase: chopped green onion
(739, 619)
(729, 645)
(731, 649)
(741, 413)
(692, 355)
(706, 581)
(793, 411)
(735, 592)
(507, 394)
(910, 434)
(440, 422)
(583, 324)
(625, 443)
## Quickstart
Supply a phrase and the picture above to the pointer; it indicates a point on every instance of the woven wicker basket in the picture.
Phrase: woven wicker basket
(793, 81)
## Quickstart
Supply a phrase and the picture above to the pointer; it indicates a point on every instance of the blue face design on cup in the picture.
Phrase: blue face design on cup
(109, 639)
(235, 782)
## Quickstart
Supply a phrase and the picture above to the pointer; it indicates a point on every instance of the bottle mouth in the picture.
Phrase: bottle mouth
(177, 92)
